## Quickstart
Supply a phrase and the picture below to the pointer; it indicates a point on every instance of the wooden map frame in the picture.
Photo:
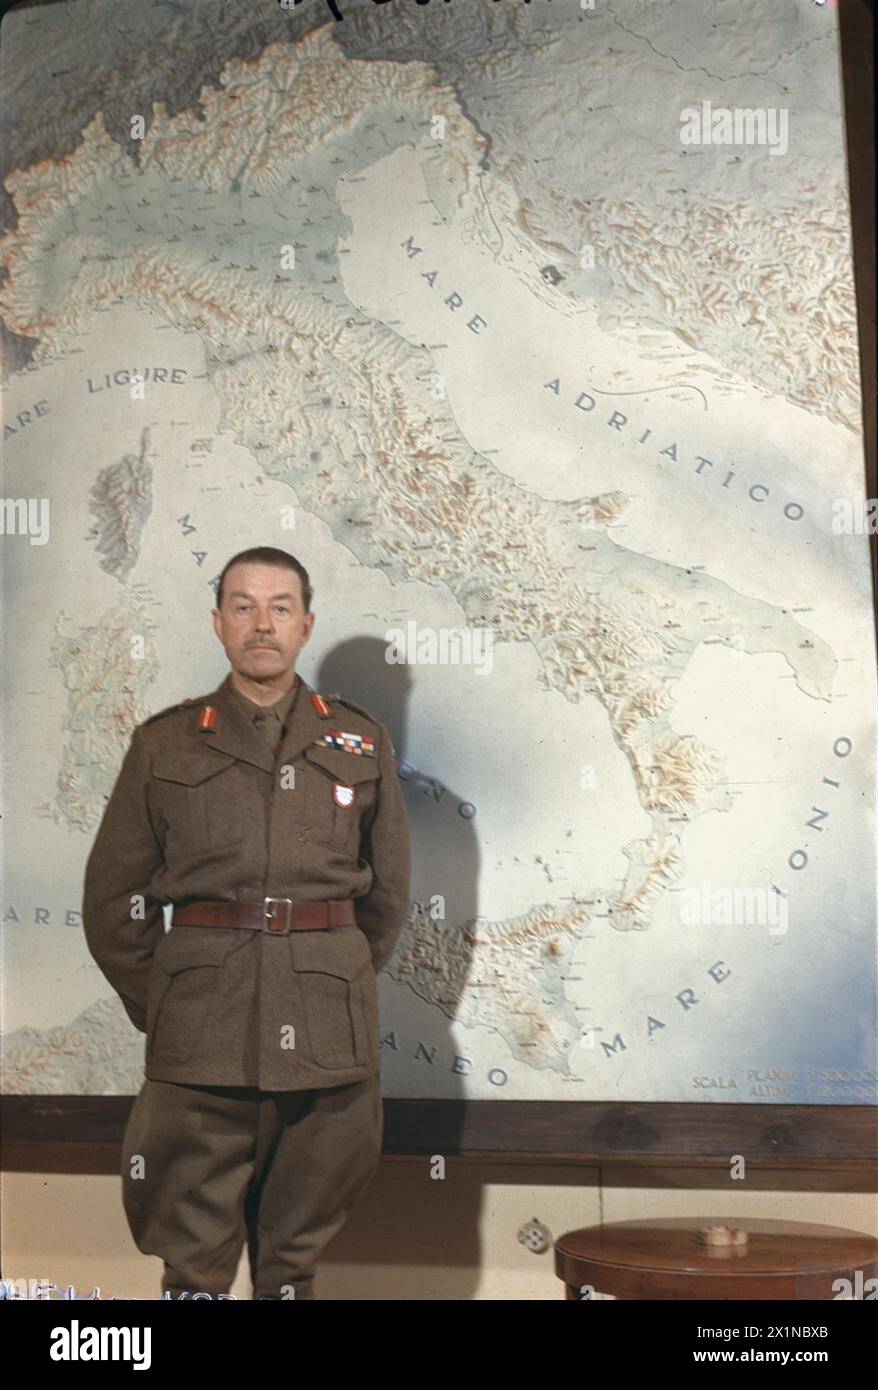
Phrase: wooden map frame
(787, 1145)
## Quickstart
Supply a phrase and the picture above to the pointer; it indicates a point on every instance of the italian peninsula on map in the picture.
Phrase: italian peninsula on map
(345, 288)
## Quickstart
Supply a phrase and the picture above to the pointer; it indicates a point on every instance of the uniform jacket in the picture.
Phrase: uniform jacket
(211, 813)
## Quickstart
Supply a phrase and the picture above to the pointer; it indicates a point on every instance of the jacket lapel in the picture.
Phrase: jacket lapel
(233, 732)
(238, 736)
(304, 725)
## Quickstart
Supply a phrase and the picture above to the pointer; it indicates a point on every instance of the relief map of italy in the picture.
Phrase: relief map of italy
(555, 391)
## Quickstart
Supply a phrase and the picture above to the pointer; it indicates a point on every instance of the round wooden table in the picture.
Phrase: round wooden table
(782, 1260)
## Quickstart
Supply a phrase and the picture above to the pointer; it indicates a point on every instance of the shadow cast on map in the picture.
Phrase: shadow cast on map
(418, 1004)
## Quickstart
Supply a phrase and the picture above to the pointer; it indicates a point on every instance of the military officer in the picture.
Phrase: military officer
(272, 817)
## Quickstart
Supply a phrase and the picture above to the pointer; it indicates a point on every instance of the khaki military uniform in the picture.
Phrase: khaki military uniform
(261, 1103)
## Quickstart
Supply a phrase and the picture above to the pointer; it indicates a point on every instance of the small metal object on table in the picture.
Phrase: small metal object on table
(716, 1257)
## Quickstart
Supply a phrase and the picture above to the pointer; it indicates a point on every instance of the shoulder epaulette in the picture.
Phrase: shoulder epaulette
(181, 704)
(343, 700)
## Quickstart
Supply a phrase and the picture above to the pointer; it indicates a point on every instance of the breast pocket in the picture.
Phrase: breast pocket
(340, 789)
(197, 801)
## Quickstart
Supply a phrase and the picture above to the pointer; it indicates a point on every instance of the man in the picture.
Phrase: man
(273, 819)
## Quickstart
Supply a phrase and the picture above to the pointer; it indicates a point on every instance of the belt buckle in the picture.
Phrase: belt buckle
(266, 924)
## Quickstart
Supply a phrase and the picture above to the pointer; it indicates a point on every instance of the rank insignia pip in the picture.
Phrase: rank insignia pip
(342, 795)
(207, 717)
(349, 743)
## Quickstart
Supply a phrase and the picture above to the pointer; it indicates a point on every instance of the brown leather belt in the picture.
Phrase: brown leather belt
(276, 915)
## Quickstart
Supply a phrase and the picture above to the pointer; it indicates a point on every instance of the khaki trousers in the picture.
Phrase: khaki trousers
(206, 1168)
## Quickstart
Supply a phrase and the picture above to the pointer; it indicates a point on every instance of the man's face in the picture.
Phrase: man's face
(262, 622)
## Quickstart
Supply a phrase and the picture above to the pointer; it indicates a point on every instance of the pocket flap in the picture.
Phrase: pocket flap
(342, 951)
(184, 947)
(349, 768)
(190, 768)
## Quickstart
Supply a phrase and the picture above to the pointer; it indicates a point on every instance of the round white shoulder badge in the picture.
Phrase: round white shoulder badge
(344, 796)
